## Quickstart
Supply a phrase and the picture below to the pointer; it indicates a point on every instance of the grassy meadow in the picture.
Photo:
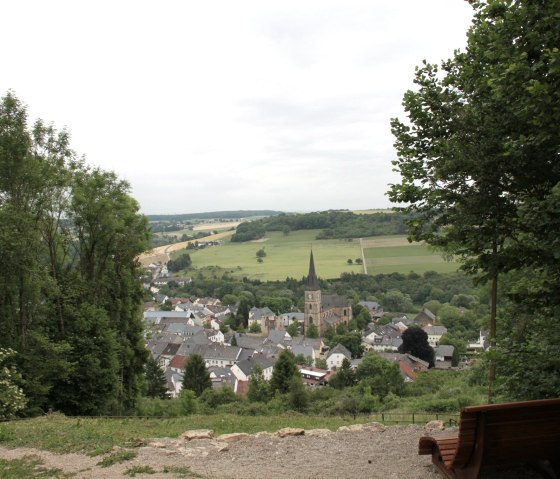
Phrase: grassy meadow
(288, 256)
(390, 254)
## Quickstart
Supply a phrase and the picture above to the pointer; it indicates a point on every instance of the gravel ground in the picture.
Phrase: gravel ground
(388, 454)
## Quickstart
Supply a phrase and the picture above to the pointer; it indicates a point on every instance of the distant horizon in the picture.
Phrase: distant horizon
(267, 209)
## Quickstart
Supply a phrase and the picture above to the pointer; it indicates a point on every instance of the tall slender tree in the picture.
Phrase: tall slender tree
(481, 138)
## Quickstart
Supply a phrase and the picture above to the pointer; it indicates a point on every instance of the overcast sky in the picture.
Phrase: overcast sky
(226, 105)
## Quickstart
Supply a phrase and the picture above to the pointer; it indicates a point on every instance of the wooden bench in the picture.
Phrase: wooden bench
(498, 434)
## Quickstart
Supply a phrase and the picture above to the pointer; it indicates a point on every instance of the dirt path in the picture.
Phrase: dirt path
(388, 454)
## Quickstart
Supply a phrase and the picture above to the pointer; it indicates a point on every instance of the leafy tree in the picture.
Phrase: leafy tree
(182, 262)
(312, 331)
(415, 342)
(70, 299)
(395, 300)
(381, 375)
(293, 329)
(259, 390)
(234, 339)
(261, 253)
(255, 327)
(298, 396)
(321, 363)
(345, 377)
(303, 360)
(156, 384)
(349, 261)
(196, 376)
(359, 261)
(352, 342)
(481, 142)
(284, 370)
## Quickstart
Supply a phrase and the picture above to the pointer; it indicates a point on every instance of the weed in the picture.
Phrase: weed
(181, 472)
(139, 470)
(116, 457)
(29, 467)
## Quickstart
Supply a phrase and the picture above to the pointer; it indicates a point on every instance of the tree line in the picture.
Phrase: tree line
(334, 224)
(69, 282)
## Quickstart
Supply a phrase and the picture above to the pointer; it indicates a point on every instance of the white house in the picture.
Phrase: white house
(336, 355)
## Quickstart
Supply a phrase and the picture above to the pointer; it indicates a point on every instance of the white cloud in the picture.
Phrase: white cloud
(230, 105)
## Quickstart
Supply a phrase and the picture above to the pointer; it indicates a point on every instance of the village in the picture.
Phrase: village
(197, 325)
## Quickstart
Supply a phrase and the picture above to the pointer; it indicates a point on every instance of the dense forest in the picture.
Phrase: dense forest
(69, 284)
(334, 224)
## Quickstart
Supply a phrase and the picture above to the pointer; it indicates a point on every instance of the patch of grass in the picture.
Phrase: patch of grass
(181, 472)
(99, 436)
(29, 467)
(117, 457)
(139, 470)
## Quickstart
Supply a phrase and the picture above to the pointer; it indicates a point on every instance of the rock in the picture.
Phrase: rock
(263, 434)
(197, 434)
(157, 444)
(290, 431)
(375, 427)
(318, 432)
(370, 426)
(233, 437)
(221, 446)
(434, 426)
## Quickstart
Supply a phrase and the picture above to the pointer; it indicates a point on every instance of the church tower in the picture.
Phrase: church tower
(312, 313)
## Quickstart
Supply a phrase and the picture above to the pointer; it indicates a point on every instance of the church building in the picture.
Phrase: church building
(323, 310)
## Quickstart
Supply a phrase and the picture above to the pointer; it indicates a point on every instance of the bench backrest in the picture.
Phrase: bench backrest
(509, 432)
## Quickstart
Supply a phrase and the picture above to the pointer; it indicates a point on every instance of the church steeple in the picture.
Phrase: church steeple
(312, 281)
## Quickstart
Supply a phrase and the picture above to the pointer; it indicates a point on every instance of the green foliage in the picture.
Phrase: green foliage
(345, 377)
(117, 458)
(478, 154)
(293, 329)
(284, 369)
(132, 471)
(312, 331)
(213, 398)
(255, 328)
(381, 375)
(188, 401)
(261, 253)
(196, 376)
(182, 262)
(155, 382)
(259, 390)
(28, 467)
(352, 342)
(12, 399)
(248, 232)
(298, 396)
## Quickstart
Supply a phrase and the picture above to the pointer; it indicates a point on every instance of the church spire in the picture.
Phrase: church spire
(312, 281)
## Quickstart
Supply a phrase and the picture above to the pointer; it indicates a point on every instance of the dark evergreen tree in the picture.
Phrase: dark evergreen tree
(284, 370)
(155, 382)
(196, 376)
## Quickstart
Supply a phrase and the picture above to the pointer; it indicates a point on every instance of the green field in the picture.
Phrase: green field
(285, 256)
(395, 254)
(288, 256)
